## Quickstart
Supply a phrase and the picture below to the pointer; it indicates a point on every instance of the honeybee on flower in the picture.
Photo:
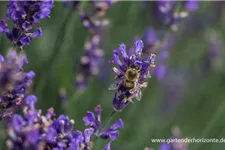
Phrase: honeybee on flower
(131, 75)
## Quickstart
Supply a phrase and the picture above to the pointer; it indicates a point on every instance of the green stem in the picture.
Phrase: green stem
(75, 96)
(57, 46)
(105, 125)
(109, 120)
(3, 136)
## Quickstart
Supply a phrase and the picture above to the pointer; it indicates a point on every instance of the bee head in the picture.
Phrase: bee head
(135, 67)
(133, 72)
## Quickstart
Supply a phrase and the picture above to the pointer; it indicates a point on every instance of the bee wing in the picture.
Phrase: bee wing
(113, 86)
(138, 95)
(138, 91)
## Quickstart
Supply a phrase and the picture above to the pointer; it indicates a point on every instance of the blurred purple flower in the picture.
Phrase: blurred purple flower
(14, 82)
(94, 121)
(130, 76)
(160, 70)
(166, 11)
(192, 5)
(214, 54)
(151, 41)
(95, 23)
(90, 63)
(25, 14)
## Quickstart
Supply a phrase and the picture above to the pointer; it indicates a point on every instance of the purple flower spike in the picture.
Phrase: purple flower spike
(166, 12)
(90, 63)
(96, 25)
(37, 131)
(14, 82)
(25, 14)
(130, 76)
(94, 121)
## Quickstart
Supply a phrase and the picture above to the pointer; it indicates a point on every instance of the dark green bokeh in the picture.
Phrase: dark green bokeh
(200, 112)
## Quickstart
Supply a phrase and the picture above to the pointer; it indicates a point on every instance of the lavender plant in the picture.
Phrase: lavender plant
(13, 81)
(34, 130)
(131, 75)
(24, 15)
(39, 132)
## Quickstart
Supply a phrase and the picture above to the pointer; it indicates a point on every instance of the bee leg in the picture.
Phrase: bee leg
(130, 100)
(132, 91)
(124, 100)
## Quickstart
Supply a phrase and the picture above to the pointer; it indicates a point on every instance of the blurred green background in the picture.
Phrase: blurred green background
(191, 96)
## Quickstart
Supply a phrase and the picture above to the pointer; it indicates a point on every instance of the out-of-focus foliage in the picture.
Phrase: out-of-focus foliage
(191, 95)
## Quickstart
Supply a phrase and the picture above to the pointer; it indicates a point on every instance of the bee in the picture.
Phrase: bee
(131, 76)
(130, 81)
